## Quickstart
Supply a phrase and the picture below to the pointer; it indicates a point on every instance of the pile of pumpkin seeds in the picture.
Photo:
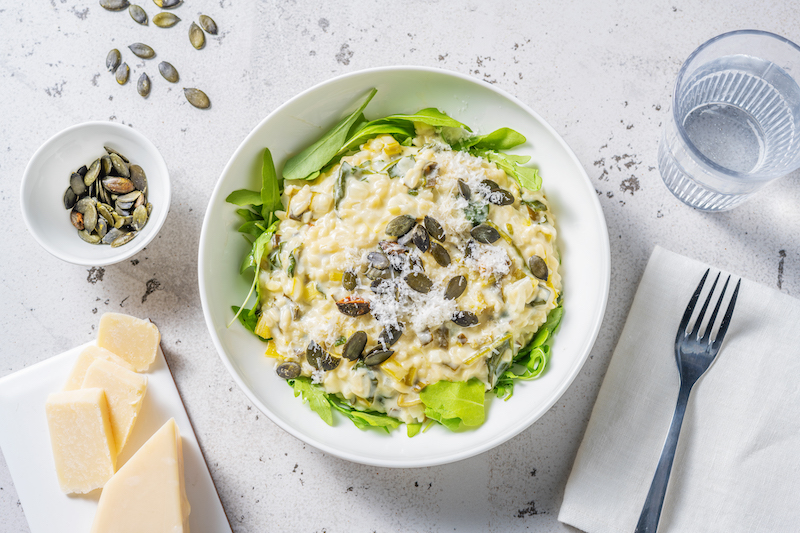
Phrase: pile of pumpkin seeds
(108, 200)
(164, 19)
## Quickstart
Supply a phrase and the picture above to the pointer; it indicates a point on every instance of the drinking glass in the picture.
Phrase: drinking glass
(735, 121)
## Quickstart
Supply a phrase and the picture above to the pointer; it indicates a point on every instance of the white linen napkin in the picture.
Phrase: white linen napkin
(737, 465)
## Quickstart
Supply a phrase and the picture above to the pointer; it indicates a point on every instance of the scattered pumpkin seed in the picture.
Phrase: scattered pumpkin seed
(77, 185)
(114, 5)
(125, 238)
(538, 267)
(455, 288)
(465, 319)
(142, 50)
(138, 14)
(435, 229)
(69, 198)
(92, 173)
(143, 85)
(165, 20)
(399, 226)
(421, 238)
(390, 335)
(105, 161)
(196, 36)
(349, 279)
(113, 59)
(288, 370)
(419, 282)
(110, 151)
(122, 73)
(485, 234)
(138, 178)
(208, 24)
(353, 306)
(121, 168)
(354, 346)
(197, 98)
(88, 237)
(464, 189)
(319, 358)
(139, 218)
(168, 72)
(377, 356)
(167, 4)
(440, 254)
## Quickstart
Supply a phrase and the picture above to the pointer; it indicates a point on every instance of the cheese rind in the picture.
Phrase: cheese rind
(86, 358)
(133, 339)
(83, 444)
(148, 493)
(124, 392)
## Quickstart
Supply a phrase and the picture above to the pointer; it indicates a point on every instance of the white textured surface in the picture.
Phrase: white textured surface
(600, 74)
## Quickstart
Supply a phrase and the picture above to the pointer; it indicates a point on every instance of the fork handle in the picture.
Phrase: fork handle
(651, 512)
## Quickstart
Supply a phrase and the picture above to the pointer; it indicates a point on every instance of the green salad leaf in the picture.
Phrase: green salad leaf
(244, 197)
(526, 177)
(455, 404)
(413, 429)
(399, 129)
(271, 187)
(501, 139)
(365, 419)
(432, 117)
(311, 160)
(317, 398)
(531, 361)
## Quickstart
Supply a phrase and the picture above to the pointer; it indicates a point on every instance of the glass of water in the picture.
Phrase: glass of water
(735, 122)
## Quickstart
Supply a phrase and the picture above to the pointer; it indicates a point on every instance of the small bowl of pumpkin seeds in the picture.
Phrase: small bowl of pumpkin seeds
(96, 193)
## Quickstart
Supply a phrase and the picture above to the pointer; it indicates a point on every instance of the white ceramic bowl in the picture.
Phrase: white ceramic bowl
(583, 242)
(47, 177)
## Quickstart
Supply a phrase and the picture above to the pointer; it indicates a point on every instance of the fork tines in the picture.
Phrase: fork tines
(683, 329)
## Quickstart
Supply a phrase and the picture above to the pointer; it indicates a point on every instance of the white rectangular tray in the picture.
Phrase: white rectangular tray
(25, 441)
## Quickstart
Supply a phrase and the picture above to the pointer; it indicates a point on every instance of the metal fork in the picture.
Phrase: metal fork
(694, 354)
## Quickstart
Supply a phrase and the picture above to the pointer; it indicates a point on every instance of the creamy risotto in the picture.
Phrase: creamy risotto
(402, 266)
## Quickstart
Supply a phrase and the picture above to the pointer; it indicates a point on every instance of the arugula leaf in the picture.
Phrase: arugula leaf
(500, 139)
(245, 318)
(308, 162)
(260, 246)
(413, 429)
(253, 227)
(315, 396)
(365, 419)
(244, 197)
(345, 170)
(531, 361)
(271, 187)
(455, 404)
(432, 117)
(400, 129)
(527, 177)
(248, 215)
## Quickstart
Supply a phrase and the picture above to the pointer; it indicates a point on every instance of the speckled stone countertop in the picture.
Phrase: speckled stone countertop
(600, 73)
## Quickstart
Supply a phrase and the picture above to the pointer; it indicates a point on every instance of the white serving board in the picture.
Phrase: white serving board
(25, 441)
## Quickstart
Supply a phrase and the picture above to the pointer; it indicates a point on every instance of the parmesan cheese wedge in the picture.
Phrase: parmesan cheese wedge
(148, 493)
(124, 393)
(133, 339)
(80, 435)
(86, 358)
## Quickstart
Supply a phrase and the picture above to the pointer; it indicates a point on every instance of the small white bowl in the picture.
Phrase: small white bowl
(46, 178)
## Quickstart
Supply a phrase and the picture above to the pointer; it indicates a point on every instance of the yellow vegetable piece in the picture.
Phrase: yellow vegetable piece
(311, 291)
(406, 400)
(272, 351)
(409, 379)
(262, 327)
(392, 147)
(395, 210)
(394, 369)
(335, 276)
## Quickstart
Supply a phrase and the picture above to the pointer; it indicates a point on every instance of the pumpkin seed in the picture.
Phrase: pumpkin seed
(168, 4)
(435, 229)
(141, 201)
(168, 72)
(319, 358)
(86, 236)
(455, 288)
(378, 260)
(288, 370)
(82, 171)
(101, 228)
(399, 226)
(354, 346)
(500, 197)
(92, 173)
(110, 151)
(113, 59)
(90, 218)
(485, 234)
(143, 85)
(353, 306)
(142, 50)
(197, 98)
(122, 73)
(129, 198)
(114, 5)
(377, 356)
(491, 185)
(349, 280)
(465, 319)
(139, 218)
(105, 161)
(118, 185)
(538, 267)
(419, 282)
(440, 254)
(208, 24)
(442, 337)
(105, 211)
(138, 14)
(77, 219)
(69, 198)
(137, 176)
(112, 235)
(390, 335)
(196, 36)
(464, 189)
(125, 238)
(120, 166)
(77, 185)
(165, 20)
(421, 238)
